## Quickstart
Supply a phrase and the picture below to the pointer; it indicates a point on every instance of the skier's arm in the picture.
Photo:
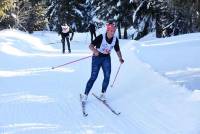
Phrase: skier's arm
(96, 44)
(59, 30)
(118, 51)
(119, 54)
(93, 49)
(72, 34)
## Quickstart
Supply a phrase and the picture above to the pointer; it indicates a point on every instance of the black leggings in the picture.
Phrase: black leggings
(63, 43)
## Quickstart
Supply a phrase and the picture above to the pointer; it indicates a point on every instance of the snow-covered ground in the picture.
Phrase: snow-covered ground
(35, 99)
(175, 57)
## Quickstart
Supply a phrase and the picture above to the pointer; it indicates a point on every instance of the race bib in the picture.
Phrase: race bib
(65, 29)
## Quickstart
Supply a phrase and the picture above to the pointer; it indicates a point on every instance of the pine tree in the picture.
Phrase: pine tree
(154, 15)
(36, 19)
(80, 14)
(188, 15)
(40, 14)
(119, 12)
(5, 13)
(63, 11)
(164, 18)
(88, 14)
(21, 14)
(5, 6)
(108, 11)
(143, 18)
(125, 11)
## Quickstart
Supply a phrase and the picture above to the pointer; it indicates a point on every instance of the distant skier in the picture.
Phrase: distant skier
(101, 48)
(92, 29)
(65, 30)
(73, 26)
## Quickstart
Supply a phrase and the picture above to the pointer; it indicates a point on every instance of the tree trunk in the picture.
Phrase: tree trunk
(119, 30)
(125, 33)
(158, 28)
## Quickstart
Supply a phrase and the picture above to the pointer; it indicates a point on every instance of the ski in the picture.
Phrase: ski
(83, 106)
(107, 105)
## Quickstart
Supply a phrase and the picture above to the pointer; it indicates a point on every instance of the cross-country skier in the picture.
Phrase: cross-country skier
(101, 48)
(65, 30)
(92, 29)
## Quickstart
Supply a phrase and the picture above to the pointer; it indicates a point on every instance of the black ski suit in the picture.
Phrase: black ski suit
(65, 35)
(92, 29)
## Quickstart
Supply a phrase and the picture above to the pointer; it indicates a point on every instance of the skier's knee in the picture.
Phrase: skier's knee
(107, 76)
(92, 79)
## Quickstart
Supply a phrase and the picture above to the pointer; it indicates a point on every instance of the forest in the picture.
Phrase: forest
(133, 18)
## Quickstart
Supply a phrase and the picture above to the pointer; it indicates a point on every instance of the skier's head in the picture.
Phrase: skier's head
(110, 29)
(110, 26)
(65, 24)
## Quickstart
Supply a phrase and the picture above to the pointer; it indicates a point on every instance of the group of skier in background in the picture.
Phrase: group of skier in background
(65, 30)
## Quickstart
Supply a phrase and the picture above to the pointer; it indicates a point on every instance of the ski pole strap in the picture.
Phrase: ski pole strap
(71, 62)
(116, 75)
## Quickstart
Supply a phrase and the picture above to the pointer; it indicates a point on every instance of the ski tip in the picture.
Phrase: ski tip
(85, 115)
(119, 113)
(94, 94)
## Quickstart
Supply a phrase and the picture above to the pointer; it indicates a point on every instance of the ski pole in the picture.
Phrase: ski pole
(71, 62)
(116, 75)
(54, 42)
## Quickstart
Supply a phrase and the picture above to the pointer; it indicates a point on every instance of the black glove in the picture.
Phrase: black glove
(71, 39)
(121, 60)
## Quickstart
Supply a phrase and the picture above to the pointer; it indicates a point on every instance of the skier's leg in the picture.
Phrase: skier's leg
(95, 34)
(106, 66)
(94, 73)
(63, 43)
(68, 44)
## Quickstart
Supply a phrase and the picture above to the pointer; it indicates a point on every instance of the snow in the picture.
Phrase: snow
(36, 99)
(118, 3)
(174, 57)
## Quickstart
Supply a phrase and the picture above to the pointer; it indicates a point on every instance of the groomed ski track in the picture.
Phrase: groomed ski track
(48, 102)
